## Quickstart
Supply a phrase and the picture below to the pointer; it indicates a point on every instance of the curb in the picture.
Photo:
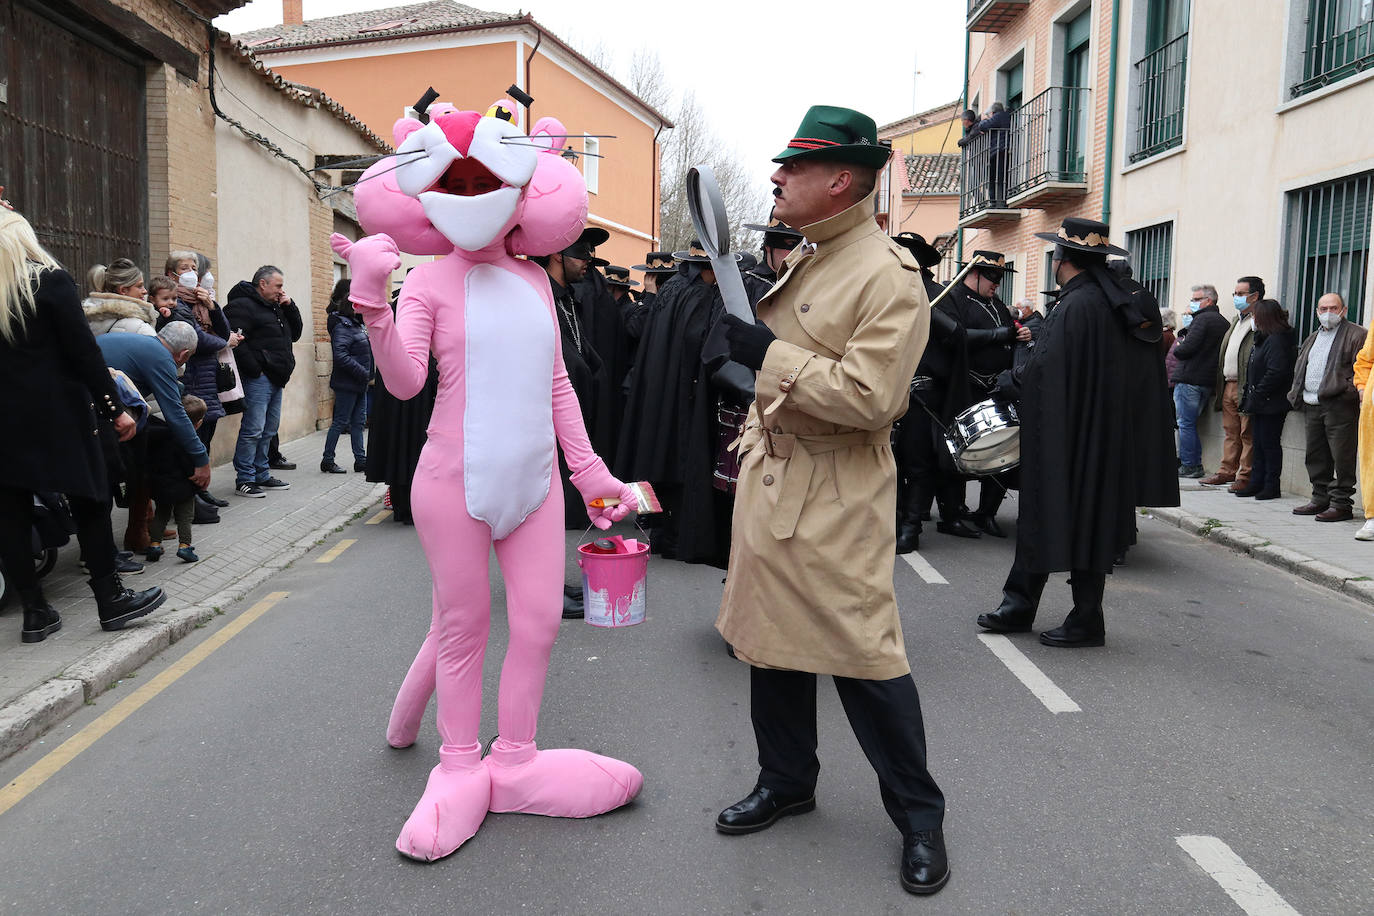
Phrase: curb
(1350, 584)
(30, 715)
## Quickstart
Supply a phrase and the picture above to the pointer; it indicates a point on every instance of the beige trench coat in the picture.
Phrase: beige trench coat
(810, 578)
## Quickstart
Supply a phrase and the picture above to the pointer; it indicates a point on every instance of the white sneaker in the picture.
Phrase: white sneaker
(1367, 532)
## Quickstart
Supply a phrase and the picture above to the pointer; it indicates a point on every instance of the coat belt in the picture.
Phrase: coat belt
(798, 452)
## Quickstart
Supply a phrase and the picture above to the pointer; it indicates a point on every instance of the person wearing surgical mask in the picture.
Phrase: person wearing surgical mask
(1238, 446)
(1193, 377)
(1324, 390)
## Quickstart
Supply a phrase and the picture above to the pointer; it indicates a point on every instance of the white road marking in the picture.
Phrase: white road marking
(924, 569)
(1045, 690)
(1241, 883)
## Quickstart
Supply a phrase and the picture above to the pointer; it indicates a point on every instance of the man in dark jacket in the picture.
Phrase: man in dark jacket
(1095, 439)
(270, 323)
(1196, 358)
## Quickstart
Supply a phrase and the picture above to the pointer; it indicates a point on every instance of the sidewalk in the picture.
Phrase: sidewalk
(1325, 553)
(42, 683)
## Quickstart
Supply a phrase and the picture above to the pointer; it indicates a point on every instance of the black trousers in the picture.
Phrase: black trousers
(886, 718)
(1266, 464)
(1332, 434)
(922, 467)
(16, 535)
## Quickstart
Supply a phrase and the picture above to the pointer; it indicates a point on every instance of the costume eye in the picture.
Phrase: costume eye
(500, 111)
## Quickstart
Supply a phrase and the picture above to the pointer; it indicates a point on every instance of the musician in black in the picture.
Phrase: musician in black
(990, 339)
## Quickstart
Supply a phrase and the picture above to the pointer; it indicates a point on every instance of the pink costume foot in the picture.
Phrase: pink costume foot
(455, 802)
(558, 783)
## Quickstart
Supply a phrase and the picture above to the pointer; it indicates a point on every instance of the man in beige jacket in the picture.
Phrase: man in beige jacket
(809, 589)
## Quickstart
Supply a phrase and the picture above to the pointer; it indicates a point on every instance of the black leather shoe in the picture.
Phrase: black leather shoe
(281, 464)
(573, 606)
(958, 527)
(759, 810)
(360, 465)
(214, 500)
(1067, 637)
(925, 867)
(987, 524)
(329, 467)
(908, 537)
(1007, 619)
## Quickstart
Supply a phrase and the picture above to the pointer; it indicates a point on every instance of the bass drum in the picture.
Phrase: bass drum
(729, 426)
(986, 438)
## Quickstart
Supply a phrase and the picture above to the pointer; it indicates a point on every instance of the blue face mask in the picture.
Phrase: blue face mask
(1242, 303)
(1187, 319)
(1194, 306)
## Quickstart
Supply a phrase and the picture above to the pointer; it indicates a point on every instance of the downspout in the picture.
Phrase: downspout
(1111, 115)
(959, 233)
(539, 38)
(654, 190)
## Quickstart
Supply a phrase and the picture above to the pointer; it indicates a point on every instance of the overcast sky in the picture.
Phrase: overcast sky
(754, 67)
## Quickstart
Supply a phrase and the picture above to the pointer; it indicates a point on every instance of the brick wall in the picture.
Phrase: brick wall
(1033, 30)
(321, 283)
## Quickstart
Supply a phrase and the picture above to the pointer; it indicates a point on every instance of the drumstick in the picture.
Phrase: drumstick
(957, 277)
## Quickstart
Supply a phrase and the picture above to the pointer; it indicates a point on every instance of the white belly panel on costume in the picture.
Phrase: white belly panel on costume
(508, 436)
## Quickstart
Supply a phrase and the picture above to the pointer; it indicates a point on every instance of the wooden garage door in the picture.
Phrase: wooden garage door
(72, 150)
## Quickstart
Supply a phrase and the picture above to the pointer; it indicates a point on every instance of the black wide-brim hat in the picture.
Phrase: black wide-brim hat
(775, 227)
(697, 255)
(989, 261)
(619, 276)
(926, 254)
(584, 248)
(1084, 235)
(657, 262)
(833, 134)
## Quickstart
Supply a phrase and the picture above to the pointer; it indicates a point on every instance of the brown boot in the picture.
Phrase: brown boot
(1240, 484)
(1217, 479)
(1335, 515)
(1312, 508)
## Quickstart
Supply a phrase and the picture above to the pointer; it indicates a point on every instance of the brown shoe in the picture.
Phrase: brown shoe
(1335, 515)
(1239, 485)
(1217, 479)
(1310, 509)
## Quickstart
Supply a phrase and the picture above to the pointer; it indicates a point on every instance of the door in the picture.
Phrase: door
(1073, 106)
(73, 156)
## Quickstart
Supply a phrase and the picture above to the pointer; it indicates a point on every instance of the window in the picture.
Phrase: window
(591, 164)
(1050, 283)
(1077, 71)
(1328, 247)
(1151, 251)
(1338, 42)
(1160, 79)
(1005, 289)
(1013, 84)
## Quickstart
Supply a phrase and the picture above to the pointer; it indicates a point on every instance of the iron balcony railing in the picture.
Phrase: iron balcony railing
(1160, 78)
(993, 15)
(1340, 42)
(1047, 141)
(987, 159)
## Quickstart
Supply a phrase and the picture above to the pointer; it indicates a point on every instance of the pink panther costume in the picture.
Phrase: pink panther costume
(477, 190)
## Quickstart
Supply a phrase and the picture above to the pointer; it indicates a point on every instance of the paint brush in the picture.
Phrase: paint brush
(646, 500)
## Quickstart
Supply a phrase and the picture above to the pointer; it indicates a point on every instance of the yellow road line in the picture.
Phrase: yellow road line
(332, 554)
(379, 517)
(68, 750)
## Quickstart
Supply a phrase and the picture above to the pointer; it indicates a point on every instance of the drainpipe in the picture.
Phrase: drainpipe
(538, 40)
(1111, 115)
(654, 190)
(959, 233)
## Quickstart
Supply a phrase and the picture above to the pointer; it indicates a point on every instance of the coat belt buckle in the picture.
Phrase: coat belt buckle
(768, 443)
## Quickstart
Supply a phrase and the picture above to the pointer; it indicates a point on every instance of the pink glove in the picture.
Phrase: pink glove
(371, 261)
(595, 482)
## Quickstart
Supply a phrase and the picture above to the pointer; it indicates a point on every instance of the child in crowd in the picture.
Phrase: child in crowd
(162, 293)
(169, 480)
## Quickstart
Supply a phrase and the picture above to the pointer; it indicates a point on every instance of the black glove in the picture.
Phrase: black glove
(1008, 387)
(978, 338)
(748, 342)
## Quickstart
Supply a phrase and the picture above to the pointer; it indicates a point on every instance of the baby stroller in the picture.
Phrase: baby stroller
(52, 528)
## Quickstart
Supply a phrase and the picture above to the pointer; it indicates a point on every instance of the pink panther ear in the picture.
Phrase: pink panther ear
(553, 208)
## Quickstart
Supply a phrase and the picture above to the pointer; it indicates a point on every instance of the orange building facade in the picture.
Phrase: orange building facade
(1048, 62)
(377, 69)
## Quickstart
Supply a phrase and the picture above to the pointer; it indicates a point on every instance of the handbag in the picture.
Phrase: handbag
(227, 381)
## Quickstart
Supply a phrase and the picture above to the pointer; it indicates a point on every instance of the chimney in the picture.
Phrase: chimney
(292, 13)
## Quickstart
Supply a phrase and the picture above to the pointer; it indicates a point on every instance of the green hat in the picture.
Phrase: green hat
(837, 135)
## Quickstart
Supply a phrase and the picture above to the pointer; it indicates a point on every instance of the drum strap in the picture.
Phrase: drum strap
(797, 454)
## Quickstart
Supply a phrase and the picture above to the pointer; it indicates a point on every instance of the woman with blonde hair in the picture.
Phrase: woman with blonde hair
(118, 302)
(57, 392)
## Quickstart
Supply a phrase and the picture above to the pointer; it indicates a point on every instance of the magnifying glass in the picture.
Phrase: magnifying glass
(707, 208)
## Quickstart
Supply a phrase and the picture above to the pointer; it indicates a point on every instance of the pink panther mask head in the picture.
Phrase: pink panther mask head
(468, 181)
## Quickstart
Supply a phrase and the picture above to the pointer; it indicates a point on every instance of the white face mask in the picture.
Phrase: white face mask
(1329, 319)
(207, 282)
(187, 279)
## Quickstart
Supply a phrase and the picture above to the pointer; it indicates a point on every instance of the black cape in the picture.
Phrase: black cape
(397, 432)
(585, 374)
(603, 322)
(1096, 436)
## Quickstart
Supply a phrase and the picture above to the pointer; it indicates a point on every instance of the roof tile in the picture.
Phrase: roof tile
(392, 22)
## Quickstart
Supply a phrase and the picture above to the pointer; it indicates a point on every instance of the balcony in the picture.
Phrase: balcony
(993, 15)
(1160, 79)
(983, 185)
(1047, 164)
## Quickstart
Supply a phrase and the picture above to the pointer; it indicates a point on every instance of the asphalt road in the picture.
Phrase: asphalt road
(1231, 702)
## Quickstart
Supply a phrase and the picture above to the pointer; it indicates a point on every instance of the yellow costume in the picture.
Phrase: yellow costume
(1363, 361)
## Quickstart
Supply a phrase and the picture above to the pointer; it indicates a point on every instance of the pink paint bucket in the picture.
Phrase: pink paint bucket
(614, 585)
